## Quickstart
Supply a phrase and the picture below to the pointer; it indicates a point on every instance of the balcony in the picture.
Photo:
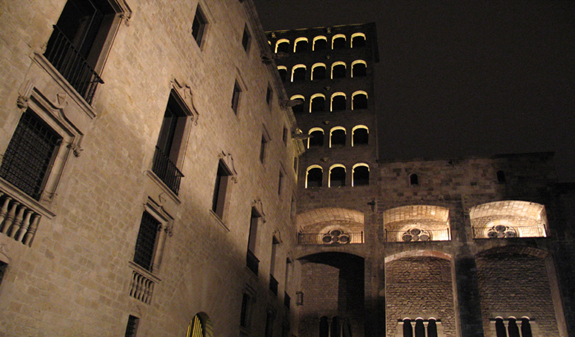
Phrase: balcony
(252, 262)
(18, 219)
(167, 171)
(72, 65)
(141, 287)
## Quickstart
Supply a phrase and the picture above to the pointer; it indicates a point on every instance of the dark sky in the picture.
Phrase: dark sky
(461, 77)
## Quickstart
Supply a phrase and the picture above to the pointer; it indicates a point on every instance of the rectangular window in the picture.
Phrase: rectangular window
(246, 38)
(280, 182)
(220, 190)
(147, 241)
(132, 326)
(169, 144)
(199, 26)
(78, 42)
(285, 135)
(236, 97)
(269, 95)
(251, 260)
(273, 281)
(30, 155)
(245, 313)
(263, 146)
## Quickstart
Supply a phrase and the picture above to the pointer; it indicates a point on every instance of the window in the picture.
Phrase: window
(298, 106)
(30, 154)
(223, 176)
(132, 326)
(413, 179)
(270, 317)
(318, 72)
(263, 146)
(283, 46)
(251, 261)
(338, 41)
(358, 40)
(273, 281)
(317, 103)
(358, 69)
(319, 43)
(280, 182)
(246, 310)
(360, 135)
(246, 38)
(335, 330)
(147, 241)
(298, 73)
(359, 100)
(338, 101)
(199, 26)
(314, 176)
(501, 177)
(421, 328)
(283, 72)
(324, 327)
(236, 97)
(79, 42)
(337, 137)
(360, 175)
(316, 139)
(3, 267)
(300, 45)
(338, 70)
(269, 95)
(285, 135)
(170, 143)
(337, 176)
(200, 326)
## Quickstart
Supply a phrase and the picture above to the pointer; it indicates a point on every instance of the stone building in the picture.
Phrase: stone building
(154, 182)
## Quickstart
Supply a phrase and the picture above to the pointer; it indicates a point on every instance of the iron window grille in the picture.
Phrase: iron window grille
(132, 326)
(146, 242)
(30, 155)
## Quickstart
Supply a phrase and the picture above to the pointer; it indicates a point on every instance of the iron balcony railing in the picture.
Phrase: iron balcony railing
(167, 171)
(273, 285)
(331, 238)
(72, 65)
(252, 262)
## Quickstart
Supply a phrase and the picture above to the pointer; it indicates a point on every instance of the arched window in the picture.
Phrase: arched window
(337, 175)
(316, 138)
(300, 45)
(357, 40)
(338, 101)
(360, 175)
(314, 176)
(359, 100)
(323, 327)
(500, 328)
(338, 41)
(407, 328)
(298, 73)
(335, 327)
(298, 108)
(337, 136)
(413, 180)
(526, 327)
(432, 328)
(419, 328)
(318, 72)
(319, 43)
(360, 135)
(283, 72)
(338, 70)
(346, 328)
(512, 328)
(200, 326)
(358, 68)
(317, 103)
(283, 46)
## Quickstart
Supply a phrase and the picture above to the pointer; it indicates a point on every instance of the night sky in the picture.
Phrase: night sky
(460, 77)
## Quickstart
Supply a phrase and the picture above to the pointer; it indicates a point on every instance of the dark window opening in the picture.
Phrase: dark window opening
(358, 41)
(301, 46)
(407, 328)
(132, 326)
(512, 328)
(220, 189)
(283, 47)
(320, 44)
(361, 176)
(359, 70)
(526, 328)
(3, 267)
(299, 74)
(280, 182)
(335, 327)
(316, 138)
(339, 43)
(199, 26)
(314, 177)
(413, 179)
(338, 71)
(323, 327)
(337, 177)
(318, 73)
(251, 261)
(236, 97)
(431, 328)
(500, 328)
(338, 103)
(30, 155)
(283, 74)
(419, 328)
(263, 145)
(338, 138)
(269, 330)
(244, 320)
(269, 95)
(298, 108)
(246, 39)
(318, 104)
(360, 137)
(146, 241)
(359, 101)
(500, 177)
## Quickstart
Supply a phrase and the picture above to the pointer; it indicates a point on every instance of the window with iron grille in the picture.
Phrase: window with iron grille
(132, 326)
(199, 26)
(236, 97)
(146, 241)
(30, 154)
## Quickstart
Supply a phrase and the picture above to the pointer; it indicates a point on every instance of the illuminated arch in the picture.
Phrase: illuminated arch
(359, 100)
(338, 69)
(322, 43)
(282, 46)
(358, 68)
(296, 48)
(200, 326)
(315, 140)
(359, 135)
(406, 223)
(317, 73)
(338, 44)
(360, 174)
(282, 70)
(317, 103)
(299, 107)
(337, 175)
(357, 40)
(313, 176)
(338, 101)
(508, 219)
(338, 138)
(298, 72)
